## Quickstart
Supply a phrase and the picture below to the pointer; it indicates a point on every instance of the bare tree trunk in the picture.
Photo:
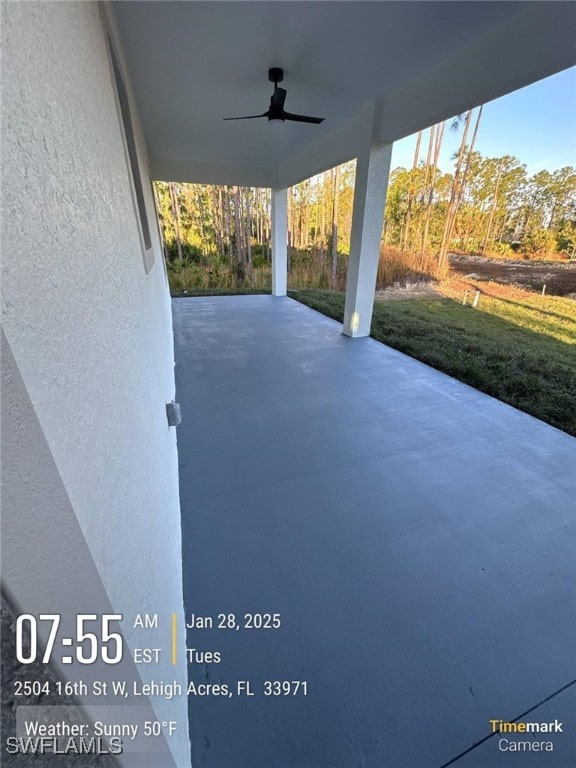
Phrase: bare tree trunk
(249, 238)
(492, 210)
(259, 218)
(424, 187)
(227, 221)
(290, 212)
(306, 241)
(220, 218)
(202, 216)
(470, 151)
(160, 225)
(334, 236)
(405, 234)
(462, 188)
(316, 219)
(439, 135)
(176, 217)
(300, 223)
(429, 156)
(238, 229)
(323, 221)
(454, 193)
(216, 221)
(268, 223)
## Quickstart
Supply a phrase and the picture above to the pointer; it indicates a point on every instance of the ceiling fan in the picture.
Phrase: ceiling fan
(275, 112)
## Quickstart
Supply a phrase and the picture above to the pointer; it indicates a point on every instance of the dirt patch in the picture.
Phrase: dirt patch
(457, 287)
(558, 277)
(419, 290)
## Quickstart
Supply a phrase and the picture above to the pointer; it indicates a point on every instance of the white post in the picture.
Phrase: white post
(279, 242)
(372, 169)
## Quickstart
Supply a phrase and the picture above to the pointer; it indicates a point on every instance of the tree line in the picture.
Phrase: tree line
(230, 225)
(486, 205)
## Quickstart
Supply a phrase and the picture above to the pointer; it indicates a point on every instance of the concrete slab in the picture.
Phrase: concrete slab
(415, 535)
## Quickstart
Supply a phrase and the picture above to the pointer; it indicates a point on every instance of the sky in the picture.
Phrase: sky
(536, 124)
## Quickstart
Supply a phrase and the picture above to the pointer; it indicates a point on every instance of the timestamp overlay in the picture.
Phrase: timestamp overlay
(249, 672)
(83, 696)
(95, 711)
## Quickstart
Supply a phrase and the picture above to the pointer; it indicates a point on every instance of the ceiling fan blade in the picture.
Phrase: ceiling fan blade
(278, 98)
(303, 118)
(275, 112)
(248, 117)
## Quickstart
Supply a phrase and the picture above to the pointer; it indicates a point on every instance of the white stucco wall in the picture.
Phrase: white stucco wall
(90, 331)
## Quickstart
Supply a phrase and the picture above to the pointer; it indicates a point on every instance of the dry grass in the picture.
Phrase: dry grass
(397, 267)
(219, 276)
(307, 270)
(310, 271)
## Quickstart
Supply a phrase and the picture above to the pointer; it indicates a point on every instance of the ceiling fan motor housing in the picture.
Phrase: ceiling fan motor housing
(275, 75)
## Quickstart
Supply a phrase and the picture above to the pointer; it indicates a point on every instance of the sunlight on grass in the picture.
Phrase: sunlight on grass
(549, 315)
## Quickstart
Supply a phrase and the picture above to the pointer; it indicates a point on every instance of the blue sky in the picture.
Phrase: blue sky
(536, 124)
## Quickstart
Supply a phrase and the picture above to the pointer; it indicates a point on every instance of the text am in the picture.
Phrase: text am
(146, 621)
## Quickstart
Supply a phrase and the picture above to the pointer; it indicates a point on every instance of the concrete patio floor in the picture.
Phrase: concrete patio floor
(416, 536)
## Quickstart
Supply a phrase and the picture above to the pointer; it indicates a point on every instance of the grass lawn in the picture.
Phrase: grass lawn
(516, 346)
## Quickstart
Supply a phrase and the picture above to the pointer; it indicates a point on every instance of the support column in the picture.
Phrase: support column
(372, 169)
(279, 242)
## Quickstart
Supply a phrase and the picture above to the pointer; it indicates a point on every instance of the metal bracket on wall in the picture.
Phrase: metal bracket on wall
(174, 414)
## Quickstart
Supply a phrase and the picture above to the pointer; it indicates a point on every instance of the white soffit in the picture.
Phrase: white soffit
(411, 63)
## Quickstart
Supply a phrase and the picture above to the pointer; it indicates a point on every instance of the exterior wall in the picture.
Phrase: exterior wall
(91, 339)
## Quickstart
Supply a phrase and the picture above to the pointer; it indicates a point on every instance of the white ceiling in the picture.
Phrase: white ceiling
(413, 63)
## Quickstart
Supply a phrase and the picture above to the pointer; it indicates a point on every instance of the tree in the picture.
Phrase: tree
(334, 233)
(436, 136)
(492, 207)
(411, 193)
(455, 194)
(487, 204)
(176, 217)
